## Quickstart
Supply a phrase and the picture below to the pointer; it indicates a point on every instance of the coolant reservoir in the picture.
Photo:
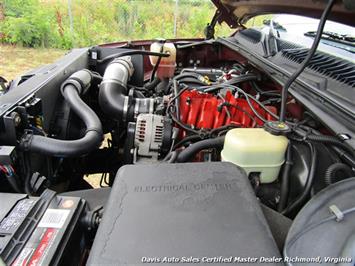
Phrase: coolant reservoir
(167, 65)
(255, 150)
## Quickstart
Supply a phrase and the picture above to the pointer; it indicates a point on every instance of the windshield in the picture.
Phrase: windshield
(337, 39)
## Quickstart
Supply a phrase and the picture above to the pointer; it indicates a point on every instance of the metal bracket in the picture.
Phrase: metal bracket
(209, 30)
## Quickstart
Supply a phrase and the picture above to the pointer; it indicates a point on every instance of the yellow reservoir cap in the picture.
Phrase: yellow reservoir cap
(255, 150)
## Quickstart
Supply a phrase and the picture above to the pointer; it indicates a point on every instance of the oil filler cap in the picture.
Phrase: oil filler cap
(277, 128)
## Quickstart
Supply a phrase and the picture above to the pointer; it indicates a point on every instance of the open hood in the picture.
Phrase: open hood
(237, 12)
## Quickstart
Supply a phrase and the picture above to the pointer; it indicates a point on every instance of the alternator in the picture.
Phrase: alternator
(152, 137)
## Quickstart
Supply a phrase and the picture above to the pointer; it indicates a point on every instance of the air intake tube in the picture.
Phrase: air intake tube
(113, 98)
(71, 89)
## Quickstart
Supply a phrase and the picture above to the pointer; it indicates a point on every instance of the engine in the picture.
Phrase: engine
(199, 112)
(162, 105)
(199, 109)
(182, 134)
(152, 105)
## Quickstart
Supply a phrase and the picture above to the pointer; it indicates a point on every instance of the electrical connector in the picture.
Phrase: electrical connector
(7, 155)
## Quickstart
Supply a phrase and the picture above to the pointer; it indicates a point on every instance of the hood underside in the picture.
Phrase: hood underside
(237, 12)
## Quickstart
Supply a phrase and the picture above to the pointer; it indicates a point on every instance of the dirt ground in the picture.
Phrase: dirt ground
(15, 61)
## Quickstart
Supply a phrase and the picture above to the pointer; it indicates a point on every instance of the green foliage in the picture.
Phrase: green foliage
(18, 8)
(46, 23)
(25, 24)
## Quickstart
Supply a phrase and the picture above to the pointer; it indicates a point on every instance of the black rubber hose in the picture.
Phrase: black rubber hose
(28, 173)
(333, 171)
(155, 69)
(188, 153)
(306, 61)
(187, 139)
(331, 140)
(156, 66)
(188, 75)
(303, 197)
(256, 87)
(177, 99)
(113, 98)
(152, 84)
(345, 156)
(285, 179)
(132, 52)
(70, 148)
(325, 139)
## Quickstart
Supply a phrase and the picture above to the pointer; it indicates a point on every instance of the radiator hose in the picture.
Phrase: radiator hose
(113, 98)
(71, 90)
(188, 153)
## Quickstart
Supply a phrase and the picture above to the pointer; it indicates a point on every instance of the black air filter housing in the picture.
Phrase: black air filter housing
(161, 211)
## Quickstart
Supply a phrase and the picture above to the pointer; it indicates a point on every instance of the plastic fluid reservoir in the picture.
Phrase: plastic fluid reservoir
(167, 65)
(255, 150)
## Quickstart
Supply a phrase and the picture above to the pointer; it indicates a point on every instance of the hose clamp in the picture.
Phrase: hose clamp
(74, 82)
(125, 108)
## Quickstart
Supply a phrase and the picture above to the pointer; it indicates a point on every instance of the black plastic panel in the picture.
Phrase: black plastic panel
(45, 85)
(328, 65)
(181, 210)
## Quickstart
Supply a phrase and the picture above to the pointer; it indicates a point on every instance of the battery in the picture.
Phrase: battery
(40, 230)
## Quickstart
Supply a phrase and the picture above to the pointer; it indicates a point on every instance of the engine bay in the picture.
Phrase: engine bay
(186, 108)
